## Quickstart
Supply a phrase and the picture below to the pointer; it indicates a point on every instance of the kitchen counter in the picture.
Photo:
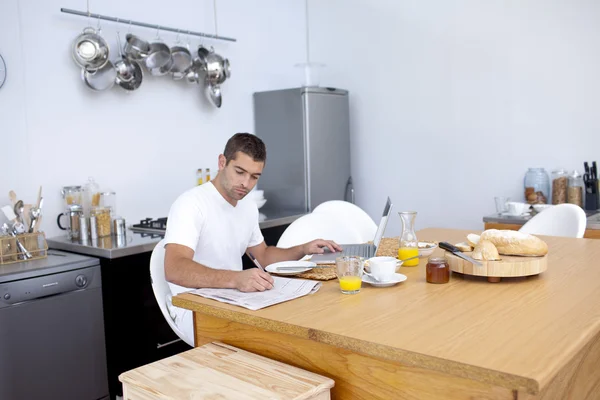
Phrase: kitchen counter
(107, 247)
(527, 338)
(135, 243)
(271, 218)
(593, 220)
(55, 263)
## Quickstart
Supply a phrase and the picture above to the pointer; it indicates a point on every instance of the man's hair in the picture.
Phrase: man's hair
(248, 144)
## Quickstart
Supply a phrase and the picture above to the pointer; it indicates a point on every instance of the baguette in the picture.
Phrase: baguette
(485, 250)
(464, 247)
(472, 239)
(515, 243)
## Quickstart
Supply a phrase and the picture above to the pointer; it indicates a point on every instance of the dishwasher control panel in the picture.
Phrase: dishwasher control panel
(48, 285)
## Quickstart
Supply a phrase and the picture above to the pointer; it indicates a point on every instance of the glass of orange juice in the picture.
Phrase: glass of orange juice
(349, 272)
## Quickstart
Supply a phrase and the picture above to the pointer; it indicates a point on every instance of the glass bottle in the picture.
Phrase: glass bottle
(408, 246)
(199, 180)
(207, 176)
(575, 191)
(537, 186)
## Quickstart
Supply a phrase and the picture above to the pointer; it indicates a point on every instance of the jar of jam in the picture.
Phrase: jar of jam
(437, 270)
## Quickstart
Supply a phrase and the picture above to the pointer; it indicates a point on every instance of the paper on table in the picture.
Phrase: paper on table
(284, 289)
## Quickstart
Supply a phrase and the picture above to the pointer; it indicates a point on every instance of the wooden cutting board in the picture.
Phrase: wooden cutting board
(507, 267)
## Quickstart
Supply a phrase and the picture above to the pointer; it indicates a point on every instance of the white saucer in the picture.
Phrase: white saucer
(397, 278)
(302, 266)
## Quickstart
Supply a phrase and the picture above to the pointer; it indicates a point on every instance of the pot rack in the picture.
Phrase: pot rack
(144, 24)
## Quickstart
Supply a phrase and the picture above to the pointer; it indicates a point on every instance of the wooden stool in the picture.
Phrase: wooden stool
(219, 371)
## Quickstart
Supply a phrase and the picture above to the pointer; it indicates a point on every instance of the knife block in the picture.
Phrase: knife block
(592, 200)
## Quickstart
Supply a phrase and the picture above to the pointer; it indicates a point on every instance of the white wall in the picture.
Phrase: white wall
(145, 145)
(452, 101)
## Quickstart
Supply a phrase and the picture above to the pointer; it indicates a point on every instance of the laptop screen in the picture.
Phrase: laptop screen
(382, 224)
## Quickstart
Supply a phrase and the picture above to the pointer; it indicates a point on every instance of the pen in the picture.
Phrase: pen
(255, 261)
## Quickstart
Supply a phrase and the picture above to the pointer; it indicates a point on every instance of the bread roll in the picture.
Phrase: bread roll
(515, 243)
(485, 250)
(472, 239)
(464, 246)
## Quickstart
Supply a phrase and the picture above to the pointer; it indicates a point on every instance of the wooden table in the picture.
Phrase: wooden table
(523, 338)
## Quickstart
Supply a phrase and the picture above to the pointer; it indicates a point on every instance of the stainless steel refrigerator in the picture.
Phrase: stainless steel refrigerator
(307, 134)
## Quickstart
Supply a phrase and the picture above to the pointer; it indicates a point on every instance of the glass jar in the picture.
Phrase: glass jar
(91, 195)
(109, 200)
(408, 245)
(207, 176)
(560, 183)
(437, 270)
(537, 186)
(575, 190)
(102, 217)
(199, 179)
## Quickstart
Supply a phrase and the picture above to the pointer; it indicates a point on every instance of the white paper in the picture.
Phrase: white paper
(284, 289)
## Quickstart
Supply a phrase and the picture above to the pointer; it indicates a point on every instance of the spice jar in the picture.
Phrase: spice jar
(102, 216)
(560, 183)
(437, 270)
(537, 186)
(575, 191)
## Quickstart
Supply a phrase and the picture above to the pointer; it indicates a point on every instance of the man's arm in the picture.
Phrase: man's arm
(181, 269)
(270, 254)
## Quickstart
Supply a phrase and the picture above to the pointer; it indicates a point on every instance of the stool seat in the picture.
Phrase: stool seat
(219, 371)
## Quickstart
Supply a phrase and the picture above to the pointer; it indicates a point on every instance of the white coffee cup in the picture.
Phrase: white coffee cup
(516, 208)
(383, 268)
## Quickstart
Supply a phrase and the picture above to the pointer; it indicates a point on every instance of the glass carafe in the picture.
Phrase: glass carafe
(72, 195)
(408, 246)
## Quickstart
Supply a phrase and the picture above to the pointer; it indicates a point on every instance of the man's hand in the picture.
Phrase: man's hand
(253, 280)
(316, 246)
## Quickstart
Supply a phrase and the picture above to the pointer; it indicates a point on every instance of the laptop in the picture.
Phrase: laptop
(365, 250)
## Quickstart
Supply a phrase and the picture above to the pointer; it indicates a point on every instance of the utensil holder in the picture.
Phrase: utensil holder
(34, 243)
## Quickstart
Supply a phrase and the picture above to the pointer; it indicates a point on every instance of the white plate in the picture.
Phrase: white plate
(397, 278)
(303, 266)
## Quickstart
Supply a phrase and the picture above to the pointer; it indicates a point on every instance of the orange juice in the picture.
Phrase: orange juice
(407, 252)
(350, 283)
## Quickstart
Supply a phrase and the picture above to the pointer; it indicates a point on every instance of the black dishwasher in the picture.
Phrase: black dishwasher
(52, 330)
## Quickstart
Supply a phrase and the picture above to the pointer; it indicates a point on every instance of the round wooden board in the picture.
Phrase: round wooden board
(507, 267)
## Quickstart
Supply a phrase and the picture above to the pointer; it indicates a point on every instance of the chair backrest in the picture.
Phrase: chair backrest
(161, 289)
(350, 213)
(319, 226)
(566, 220)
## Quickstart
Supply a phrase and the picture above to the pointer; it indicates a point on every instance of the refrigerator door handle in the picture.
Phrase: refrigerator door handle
(350, 185)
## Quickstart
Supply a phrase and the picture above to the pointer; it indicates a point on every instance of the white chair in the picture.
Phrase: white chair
(318, 226)
(566, 220)
(161, 289)
(350, 213)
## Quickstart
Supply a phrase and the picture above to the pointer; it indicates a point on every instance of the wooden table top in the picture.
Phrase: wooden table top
(517, 333)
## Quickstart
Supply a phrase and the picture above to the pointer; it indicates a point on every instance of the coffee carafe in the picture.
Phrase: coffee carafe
(72, 195)
(73, 213)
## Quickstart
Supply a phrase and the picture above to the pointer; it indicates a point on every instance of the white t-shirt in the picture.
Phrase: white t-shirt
(218, 232)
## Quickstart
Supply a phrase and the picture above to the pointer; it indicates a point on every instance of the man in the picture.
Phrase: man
(211, 226)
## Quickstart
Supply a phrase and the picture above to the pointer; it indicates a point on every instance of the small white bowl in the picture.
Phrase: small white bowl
(426, 248)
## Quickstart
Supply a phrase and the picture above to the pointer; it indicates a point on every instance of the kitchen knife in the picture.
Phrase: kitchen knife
(456, 251)
(586, 167)
(594, 171)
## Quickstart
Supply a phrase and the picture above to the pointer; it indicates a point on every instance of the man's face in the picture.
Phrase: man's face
(240, 175)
